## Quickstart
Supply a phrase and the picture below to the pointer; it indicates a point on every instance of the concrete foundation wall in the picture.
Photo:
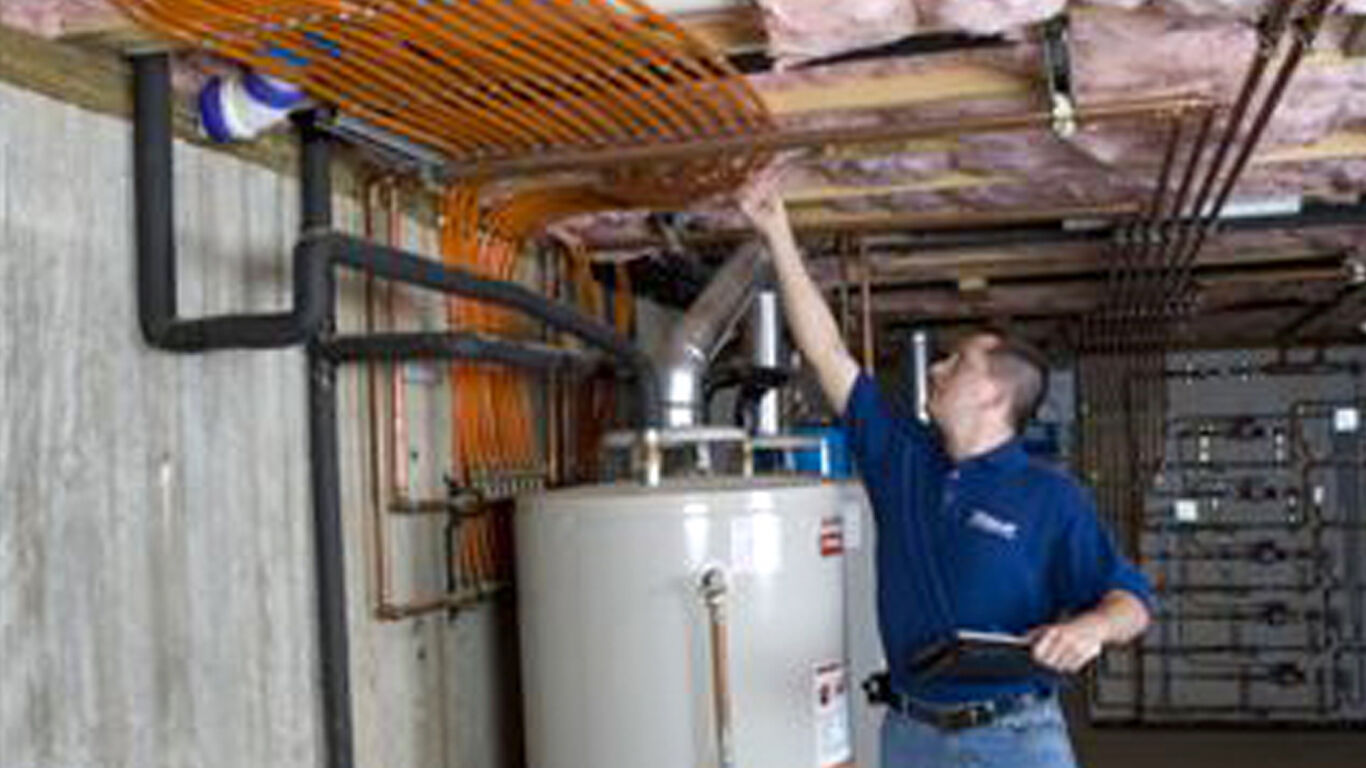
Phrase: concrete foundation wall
(156, 583)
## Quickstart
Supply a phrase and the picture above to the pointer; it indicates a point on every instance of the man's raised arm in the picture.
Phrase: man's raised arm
(809, 318)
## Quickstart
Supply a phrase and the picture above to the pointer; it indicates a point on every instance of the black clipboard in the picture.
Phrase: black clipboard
(971, 655)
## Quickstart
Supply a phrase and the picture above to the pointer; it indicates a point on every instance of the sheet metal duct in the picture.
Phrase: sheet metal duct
(766, 330)
(920, 360)
(703, 329)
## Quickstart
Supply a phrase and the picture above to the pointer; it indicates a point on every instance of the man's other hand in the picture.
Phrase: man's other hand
(1070, 646)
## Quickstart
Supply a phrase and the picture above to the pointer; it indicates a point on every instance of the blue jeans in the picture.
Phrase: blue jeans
(1034, 737)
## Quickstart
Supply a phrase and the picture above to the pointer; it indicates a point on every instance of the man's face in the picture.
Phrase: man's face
(962, 382)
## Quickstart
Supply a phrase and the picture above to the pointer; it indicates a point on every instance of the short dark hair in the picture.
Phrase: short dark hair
(1023, 367)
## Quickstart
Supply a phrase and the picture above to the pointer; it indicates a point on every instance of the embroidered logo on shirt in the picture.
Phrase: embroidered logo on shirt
(988, 523)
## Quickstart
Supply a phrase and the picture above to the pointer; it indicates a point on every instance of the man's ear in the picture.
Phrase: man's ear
(1000, 395)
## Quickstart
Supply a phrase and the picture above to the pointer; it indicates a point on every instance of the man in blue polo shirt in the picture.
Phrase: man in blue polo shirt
(972, 535)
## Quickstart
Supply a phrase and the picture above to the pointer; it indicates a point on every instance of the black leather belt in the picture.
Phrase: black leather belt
(958, 717)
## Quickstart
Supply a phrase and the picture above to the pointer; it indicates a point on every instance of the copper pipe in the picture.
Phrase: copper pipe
(1271, 29)
(1174, 284)
(380, 560)
(1145, 302)
(1306, 30)
(1179, 214)
(796, 138)
(552, 379)
(866, 305)
(475, 560)
(421, 606)
(949, 221)
(398, 401)
(1133, 259)
(1127, 258)
(1149, 291)
(916, 222)
(846, 308)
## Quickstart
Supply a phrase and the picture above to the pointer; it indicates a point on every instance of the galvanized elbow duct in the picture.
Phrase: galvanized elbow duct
(702, 331)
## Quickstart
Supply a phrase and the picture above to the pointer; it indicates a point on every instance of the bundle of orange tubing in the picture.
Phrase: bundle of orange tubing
(496, 79)
(493, 407)
(479, 81)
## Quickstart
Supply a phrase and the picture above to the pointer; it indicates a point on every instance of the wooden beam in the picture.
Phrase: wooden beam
(93, 80)
(820, 222)
(1231, 327)
(1354, 43)
(113, 30)
(1334, 146)
(1339, 145)
(735, 30)
(932, 81)
(99, 81)
(939, 183)
(1306, 286)
(1053, 261)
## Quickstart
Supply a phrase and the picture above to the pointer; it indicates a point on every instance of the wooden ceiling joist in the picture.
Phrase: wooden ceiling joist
(1059, 262)
(1303, 285)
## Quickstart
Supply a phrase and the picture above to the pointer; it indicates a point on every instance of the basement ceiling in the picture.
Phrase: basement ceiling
(946, 60)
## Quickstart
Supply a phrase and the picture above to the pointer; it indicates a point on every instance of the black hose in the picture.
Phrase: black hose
(329, 563)
(155, 231)
(324, 450)
(315, 254)
(393, 264)
(450, 346)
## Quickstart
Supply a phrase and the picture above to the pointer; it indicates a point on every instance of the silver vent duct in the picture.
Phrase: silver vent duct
(703, 330)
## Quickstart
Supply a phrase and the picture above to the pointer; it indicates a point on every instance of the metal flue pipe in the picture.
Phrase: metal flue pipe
(697, 338)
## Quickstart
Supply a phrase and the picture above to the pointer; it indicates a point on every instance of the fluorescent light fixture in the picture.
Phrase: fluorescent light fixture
(1266, 206)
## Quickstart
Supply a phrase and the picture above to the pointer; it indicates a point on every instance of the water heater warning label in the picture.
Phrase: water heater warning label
(830, 698)
(832, 536)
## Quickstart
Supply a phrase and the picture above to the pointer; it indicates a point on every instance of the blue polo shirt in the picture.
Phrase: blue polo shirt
(998, 542)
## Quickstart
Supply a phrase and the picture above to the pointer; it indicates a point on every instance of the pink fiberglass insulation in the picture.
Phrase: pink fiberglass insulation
(893, 169)
(1127, 54)
(1057, 190)
(1127, 5)
(1022, 153)
(1335, 179)
(1146, 55)
(1014, 59)
(989, 16)
(1319, 101)
(799, 30)
(1229, 9)
(50, 18)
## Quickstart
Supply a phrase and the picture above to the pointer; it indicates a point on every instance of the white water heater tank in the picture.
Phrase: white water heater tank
(627, 665)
